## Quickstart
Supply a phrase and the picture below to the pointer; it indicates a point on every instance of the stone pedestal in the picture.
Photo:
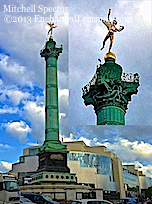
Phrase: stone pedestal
(53, 161)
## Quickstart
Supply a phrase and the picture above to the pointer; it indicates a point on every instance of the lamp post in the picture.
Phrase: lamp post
(96, 174)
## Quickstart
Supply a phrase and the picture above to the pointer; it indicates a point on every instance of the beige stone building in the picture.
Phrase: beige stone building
(96, 166)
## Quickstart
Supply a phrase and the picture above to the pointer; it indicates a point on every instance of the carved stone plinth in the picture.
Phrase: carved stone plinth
(53, 162)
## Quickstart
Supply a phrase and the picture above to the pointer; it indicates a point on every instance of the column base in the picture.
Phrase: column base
(48, 178)
(53, 146)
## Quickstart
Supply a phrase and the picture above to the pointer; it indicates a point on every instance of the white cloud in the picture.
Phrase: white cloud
(86, 141)
(7, 109)
(35, 113)
(5, 166)
(63, 100)
(145, 12)
(1, 82)
(62, 115)
(3, 91)
(72, 137)
(12, 93)
(67, 139)
(63, 92)
(33, 144)
(16, 96)
(18, 130)
(12, 72)
(130, 151)
(63, 78)
(123, 3)
(5, 146)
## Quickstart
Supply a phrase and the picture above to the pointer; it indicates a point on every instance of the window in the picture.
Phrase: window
(33, 152)
(38, 198)
(1, 186)
(11, 186)
(102, 202)
(131, 180)
(103, 163)
(46, 198)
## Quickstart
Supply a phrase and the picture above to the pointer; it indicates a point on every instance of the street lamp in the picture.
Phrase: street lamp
(96, 174)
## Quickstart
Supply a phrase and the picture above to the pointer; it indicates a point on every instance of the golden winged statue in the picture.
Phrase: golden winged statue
(51, 29)
(111, 30)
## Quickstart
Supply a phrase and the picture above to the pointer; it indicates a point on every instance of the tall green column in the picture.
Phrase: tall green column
(51, 53)
(110, 91)
(52, 116)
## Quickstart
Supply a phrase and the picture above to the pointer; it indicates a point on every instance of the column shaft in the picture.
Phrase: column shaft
(52, 118)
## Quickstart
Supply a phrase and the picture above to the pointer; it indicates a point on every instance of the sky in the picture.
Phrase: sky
(22, 76)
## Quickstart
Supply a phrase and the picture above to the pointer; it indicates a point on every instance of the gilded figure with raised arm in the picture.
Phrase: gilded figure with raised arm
(51, 29)
(111, 29)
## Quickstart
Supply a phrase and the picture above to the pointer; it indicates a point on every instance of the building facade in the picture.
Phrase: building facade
(131, 181)
(145, 182)
(97, 167)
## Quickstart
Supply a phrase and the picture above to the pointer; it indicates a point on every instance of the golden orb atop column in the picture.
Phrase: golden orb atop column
(110, 55)
(51, 37)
